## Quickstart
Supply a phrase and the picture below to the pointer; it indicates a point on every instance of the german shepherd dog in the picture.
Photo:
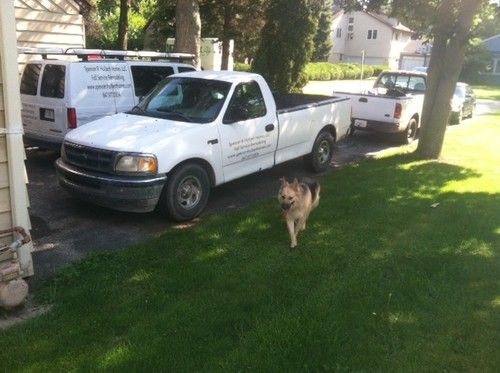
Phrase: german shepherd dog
(297, 200)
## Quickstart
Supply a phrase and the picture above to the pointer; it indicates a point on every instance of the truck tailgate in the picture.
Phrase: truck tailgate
(377, 108)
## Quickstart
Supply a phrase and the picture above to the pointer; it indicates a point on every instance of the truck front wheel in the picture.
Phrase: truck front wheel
(186, 193)
(322, 152)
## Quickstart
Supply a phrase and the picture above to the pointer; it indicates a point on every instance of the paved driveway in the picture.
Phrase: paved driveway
(65, 230)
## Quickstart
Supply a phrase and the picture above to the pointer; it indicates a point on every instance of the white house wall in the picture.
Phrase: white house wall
(384, 50)
(48, 23)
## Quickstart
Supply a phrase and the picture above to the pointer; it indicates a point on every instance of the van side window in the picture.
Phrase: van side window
(247, 103)
(183, 69)
(53, 81)
(29, 81)
(146, 77)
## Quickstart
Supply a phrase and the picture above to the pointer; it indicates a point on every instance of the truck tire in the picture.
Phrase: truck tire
(322, 152)
(186, 193)
(410, 133)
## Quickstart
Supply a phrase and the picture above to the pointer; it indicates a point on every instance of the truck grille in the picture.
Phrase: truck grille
(89, 158)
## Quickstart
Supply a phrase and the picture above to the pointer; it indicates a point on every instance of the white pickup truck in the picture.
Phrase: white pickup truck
(393, 105)
(194, 131)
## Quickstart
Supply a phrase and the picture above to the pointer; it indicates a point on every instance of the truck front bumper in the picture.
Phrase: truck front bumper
(375, 126)
(123, 193)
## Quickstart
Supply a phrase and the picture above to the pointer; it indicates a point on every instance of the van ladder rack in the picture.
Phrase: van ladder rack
(84, 53)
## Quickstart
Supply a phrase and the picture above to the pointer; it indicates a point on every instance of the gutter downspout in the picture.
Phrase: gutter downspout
(13, 130)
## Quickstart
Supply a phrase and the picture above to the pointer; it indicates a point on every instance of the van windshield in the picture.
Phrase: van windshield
(185, 99)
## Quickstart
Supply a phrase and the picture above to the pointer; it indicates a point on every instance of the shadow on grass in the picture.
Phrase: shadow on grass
(382, 280)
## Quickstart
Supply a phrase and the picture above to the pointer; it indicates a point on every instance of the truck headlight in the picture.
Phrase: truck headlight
(137, 163)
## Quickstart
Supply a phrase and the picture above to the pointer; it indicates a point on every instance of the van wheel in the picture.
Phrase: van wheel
(410, 134)
(186, 193)
(322, 152)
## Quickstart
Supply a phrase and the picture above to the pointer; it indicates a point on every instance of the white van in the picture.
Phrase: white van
(60, 95)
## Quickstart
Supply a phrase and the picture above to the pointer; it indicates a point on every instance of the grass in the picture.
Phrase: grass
(382, 281)
(487, 92)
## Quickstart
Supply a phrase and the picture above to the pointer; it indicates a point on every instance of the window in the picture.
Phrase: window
(247, 103)
(496, 64)
(53, 81)
(372, 34)
(339, 33)
(146, 77)
(416, 83)
(185, 99)
(350, 28)
(183, 69)
(29, 81)
(351, 19)
(350, 35)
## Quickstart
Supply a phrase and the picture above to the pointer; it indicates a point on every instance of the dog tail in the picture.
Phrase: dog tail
(315, 188)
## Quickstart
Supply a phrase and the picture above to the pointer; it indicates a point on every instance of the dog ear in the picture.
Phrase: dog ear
(295, 182)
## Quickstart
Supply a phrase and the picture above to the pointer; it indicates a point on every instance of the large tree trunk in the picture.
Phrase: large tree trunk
(188, 29)
(122, 42)
(446, 62)
(226, 32)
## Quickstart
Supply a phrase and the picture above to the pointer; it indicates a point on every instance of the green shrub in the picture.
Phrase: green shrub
(377, 69)
(240, 66)
(339, 71)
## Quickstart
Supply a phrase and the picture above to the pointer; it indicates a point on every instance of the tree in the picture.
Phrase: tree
(448, 23)
(122, 41)
(188, 28)
(238, 20)
(322, 39)
(286, 44)
(101, 23)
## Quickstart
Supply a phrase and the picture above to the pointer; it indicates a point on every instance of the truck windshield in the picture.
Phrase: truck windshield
(403, 82)
(185, 99)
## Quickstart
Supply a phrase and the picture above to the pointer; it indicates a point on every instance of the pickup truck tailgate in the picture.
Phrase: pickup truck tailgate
(377, 108)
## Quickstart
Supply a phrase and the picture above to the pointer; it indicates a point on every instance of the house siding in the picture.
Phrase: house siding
(5, 207)
(13, 191)
(48, 23)
(384, 50)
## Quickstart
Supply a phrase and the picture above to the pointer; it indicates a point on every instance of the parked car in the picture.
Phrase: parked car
(393, 105)
(195, 131)
(463, 103)
(59, 95)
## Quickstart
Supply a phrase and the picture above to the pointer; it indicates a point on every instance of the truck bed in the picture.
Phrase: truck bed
(297, 101)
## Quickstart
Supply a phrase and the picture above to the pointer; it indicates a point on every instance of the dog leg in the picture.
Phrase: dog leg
(293, 235)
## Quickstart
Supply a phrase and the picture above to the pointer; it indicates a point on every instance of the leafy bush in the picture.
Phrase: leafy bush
(338, 71)
(240, 66)
(377, 69)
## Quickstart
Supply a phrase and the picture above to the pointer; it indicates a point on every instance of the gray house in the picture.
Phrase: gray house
(493, 45)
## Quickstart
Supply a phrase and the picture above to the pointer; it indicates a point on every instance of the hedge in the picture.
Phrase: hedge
(331, 71)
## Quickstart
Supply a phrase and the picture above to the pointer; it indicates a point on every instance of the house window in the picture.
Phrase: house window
(339, 33)
(351, 19)
(350, 28)
(350, 35)
(496, 64)
(372, 34)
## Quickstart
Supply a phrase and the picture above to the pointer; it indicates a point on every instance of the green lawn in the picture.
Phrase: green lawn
(382, 281)
(487, 92)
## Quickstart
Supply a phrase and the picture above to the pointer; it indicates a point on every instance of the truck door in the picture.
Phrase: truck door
(249, 133)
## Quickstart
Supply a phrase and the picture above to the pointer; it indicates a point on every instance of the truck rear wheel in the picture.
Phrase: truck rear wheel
(322, 152)
(410, 134)
(186, 193)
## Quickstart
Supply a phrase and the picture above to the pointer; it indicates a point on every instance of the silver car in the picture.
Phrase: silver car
(463, 103)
